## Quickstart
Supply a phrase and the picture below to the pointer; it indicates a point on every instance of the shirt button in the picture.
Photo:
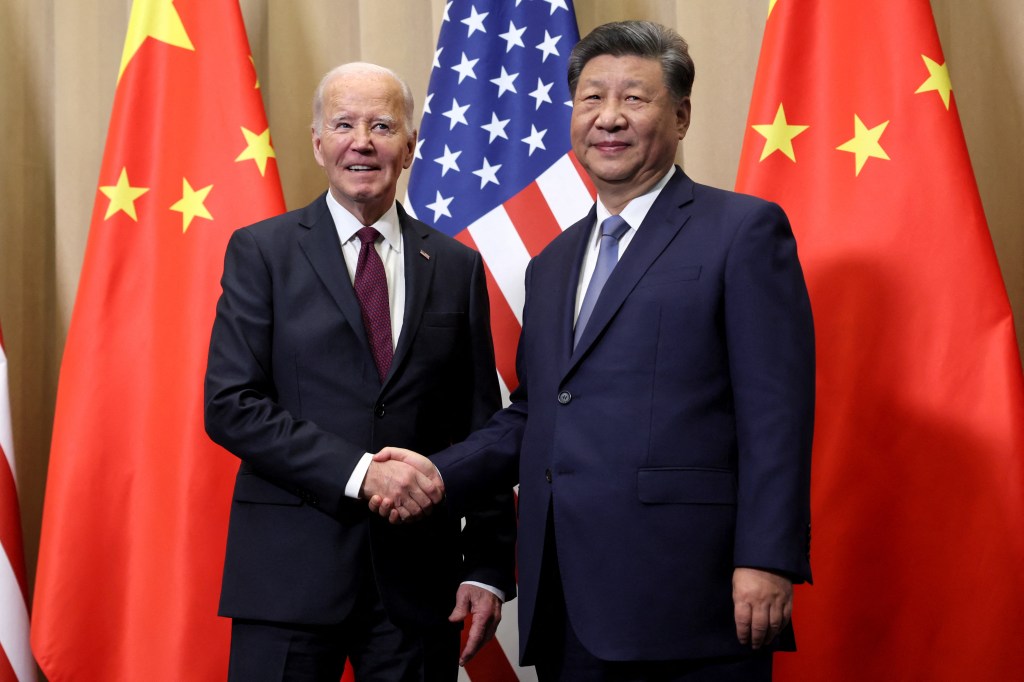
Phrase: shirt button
(564, 397)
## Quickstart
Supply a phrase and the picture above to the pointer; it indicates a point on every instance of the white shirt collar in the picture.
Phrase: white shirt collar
(347, 224)
(636, 210)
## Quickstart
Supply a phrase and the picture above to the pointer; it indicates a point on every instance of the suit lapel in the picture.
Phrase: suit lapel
(322, 248)
(419, 275)
(666, 218)
(564, 288)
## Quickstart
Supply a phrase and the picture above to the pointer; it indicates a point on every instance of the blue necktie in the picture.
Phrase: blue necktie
(612, 230)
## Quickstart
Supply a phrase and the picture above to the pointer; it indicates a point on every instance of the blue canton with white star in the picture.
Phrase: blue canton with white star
(497, 110)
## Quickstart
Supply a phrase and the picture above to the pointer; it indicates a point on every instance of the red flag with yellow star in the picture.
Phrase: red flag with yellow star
(917, 484)
(137, 497)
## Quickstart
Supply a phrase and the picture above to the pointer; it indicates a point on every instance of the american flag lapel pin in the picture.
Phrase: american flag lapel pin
(424, 254)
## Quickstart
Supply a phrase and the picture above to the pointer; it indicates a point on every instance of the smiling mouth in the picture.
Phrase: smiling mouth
(610, 146)
(360, 169)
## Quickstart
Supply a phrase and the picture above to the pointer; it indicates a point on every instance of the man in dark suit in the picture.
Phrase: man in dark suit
(661, 432)
(343, 326)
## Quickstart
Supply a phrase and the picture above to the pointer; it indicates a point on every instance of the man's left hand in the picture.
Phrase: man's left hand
(485, 608)
(763, 604)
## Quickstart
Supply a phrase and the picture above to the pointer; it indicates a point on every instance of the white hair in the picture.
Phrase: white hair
(359, 67)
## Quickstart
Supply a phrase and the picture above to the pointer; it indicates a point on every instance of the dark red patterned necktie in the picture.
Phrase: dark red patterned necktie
(371, 285)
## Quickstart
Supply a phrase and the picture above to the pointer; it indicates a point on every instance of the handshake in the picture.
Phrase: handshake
(401, 485)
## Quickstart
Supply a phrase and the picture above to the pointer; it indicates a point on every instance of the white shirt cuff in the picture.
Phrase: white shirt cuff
(355, 481)
(493, 590)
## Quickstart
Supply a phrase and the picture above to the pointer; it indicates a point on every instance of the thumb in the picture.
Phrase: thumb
(384, 455)
(462, 608)
(398, 454)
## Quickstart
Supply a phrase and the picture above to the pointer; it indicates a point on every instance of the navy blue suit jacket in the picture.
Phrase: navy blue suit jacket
(292, 390)
(673, 444)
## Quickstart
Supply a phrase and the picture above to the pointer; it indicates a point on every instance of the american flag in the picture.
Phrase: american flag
(493, 166)
(494, 169)
(16, 661)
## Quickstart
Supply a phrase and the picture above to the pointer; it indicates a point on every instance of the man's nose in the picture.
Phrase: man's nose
(361, 137)
(610, 115)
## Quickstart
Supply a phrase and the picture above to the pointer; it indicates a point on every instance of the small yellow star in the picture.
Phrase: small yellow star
(258, 149)
(938, 80)
(191, 204)
(122, 196)
(771, 6)
(778, 135)
(157, 19)
(864, 144)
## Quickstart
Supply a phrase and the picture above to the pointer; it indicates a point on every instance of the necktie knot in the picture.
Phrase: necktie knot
(367, 235)
(614, 226)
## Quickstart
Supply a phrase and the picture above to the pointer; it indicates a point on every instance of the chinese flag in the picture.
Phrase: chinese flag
(137, 497)
(917, 490)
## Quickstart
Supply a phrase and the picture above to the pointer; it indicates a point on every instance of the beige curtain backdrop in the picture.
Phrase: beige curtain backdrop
(59, 60)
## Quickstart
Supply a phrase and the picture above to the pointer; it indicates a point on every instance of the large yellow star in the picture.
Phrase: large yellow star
(258, 148)
(122, 196)
(771, 6)
(938, 80)
(157, 19)
(191, 204)
(778, 135)
(864, 144)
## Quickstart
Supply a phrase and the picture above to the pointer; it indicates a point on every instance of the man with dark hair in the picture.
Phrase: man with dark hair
(661, 433)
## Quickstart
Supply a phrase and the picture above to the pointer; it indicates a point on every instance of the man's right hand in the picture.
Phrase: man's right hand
(402, 485)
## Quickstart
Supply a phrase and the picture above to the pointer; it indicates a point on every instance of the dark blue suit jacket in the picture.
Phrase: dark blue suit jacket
(292, 390)
(673, 444)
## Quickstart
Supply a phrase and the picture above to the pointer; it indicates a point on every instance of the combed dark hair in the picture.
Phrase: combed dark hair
(641, 39)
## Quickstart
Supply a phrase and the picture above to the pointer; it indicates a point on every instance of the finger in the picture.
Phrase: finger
(461, 609)
(759, 627)
(414, 509)
(394, 518)
(474, 640)
(742, 615)
(433, 492)
(386, 506)
(776, 622)
(375, 504)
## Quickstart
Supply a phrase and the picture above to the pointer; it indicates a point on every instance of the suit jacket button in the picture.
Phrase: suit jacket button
(547, 475)
(564, 397)
(379, 410)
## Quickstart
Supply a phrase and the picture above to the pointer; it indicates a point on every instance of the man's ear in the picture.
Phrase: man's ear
(411, 149)
(317, 153)
(683, 117)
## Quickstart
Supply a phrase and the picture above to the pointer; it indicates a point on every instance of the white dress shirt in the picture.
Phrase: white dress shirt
(634, 214)
(390, 250)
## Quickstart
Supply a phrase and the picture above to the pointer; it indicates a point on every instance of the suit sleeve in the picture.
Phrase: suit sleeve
(489, 534)
(242, 412)
(770, 338)
(488, 460)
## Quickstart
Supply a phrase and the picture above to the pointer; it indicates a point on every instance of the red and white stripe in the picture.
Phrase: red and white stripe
(16, 661)
(511, 234)
(507, 238)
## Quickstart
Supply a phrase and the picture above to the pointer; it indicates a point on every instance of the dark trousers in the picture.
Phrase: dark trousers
(378, 650)
(561, 657)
